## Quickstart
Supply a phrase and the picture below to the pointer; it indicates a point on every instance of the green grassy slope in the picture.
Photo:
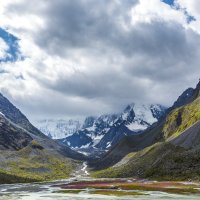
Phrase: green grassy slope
(164, 160)
(33, 163)
(181, 119)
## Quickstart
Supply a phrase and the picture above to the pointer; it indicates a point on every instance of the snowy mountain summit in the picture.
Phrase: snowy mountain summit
(138, 117)
(104, 131)
(58, 129)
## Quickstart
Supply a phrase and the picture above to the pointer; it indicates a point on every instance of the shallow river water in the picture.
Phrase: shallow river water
(51, 191)
(82, 187)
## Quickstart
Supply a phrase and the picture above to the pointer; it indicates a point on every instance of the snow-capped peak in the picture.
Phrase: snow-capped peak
(138, 116)
(58, 129)
(2, 114)
(105, 130)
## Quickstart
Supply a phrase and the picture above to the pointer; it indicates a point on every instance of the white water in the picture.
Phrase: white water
(84, 169)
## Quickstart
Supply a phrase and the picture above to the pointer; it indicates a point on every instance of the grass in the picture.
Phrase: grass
(163, 161)
(108, 192)
(173, 190)
(181, 119)
(116, 193)
(34, 165)
(70, 191)
(123, 188)
(9, 178)
(137, 162)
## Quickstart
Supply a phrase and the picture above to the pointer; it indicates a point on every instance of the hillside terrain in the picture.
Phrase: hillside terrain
(143, 141)
(173, 154)
(28, 155)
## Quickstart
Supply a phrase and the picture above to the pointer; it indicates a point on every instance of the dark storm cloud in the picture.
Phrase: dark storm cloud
(89, 24)
(160, 53)
(167, 49)
(82, 24)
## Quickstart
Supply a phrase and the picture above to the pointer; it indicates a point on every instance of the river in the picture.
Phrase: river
(77, 190)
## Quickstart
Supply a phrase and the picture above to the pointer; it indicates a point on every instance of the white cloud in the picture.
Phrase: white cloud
(88, 57)
(193, 9)
(155, 10)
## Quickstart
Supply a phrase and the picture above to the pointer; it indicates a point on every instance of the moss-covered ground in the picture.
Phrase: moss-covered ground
(33, 164)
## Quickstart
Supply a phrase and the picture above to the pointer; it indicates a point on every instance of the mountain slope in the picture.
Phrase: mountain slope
(190, 138)
(134, 120)
(16, 116)
(107, 130)
(28, 155)
(175, 156)
(11, 137)
(127, 145)
(182, 118)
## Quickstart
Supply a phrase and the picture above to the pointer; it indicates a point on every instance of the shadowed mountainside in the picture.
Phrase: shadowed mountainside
(26, 154)
(174, 153)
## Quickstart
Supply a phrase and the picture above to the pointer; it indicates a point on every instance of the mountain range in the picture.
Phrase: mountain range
(58, 128)
(169, 150)
(143, 141)
(26, 154)
(104, 131)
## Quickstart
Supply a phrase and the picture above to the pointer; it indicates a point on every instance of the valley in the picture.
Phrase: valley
(87, 188)
(99, 100)
(160, 160)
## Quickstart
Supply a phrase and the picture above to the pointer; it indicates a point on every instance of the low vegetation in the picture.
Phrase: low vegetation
(163, 160)
(181, 119)
(33, 164)
(119, 187)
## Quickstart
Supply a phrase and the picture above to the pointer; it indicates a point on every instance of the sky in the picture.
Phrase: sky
(76, 58)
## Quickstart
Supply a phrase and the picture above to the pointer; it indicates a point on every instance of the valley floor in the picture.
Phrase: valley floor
(81, 187)
(94, 189)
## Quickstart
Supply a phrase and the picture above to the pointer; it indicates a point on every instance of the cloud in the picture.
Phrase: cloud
(3, 49)
(87, 57)
(192, 7)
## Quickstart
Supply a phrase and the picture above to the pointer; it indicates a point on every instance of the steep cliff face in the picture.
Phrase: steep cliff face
(16, 116)
(12, 137)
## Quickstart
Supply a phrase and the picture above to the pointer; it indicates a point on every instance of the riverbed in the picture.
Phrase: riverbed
(94, 189)
(82, 187)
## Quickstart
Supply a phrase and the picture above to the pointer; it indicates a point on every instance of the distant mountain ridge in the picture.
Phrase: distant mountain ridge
(186, 97)
(169, 150)
(58, 129)
(104, 131)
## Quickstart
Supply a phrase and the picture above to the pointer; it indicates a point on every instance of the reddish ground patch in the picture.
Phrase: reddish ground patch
(89, 184)
(171, 187)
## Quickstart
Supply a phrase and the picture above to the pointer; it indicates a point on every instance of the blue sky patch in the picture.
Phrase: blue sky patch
(169, 2)
(190, 18)
(13, 52)
(174, 5)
